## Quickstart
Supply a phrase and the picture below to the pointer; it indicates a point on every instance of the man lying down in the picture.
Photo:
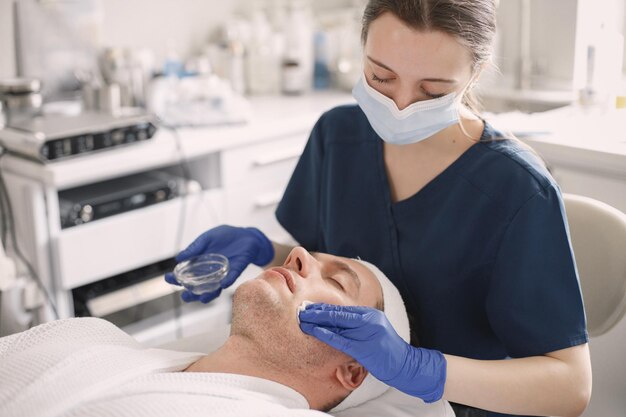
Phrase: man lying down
(267, 366)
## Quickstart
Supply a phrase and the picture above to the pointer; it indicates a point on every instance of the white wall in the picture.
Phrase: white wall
(138, 23)
(149, 23)
(7, 60)
(188, 22)
(552, 45)
(552, 38)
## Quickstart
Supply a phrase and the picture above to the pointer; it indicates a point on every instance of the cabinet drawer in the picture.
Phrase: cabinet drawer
(255, 206)
(116, 244)
(263, 162)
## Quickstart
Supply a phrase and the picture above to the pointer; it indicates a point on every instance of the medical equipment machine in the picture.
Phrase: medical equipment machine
(13, 316)
(127, 297)
(96, 201)
(52, 137)
(21, 97)
(202, 273)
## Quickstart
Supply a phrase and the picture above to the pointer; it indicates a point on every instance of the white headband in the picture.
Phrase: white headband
(396, 314)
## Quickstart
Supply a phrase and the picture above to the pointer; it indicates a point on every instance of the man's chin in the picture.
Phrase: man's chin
(265, 316)
(257, 304)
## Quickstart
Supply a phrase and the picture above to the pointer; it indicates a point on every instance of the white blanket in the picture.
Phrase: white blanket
(89, 367)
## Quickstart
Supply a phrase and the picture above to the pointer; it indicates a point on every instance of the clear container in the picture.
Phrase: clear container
(202, 273)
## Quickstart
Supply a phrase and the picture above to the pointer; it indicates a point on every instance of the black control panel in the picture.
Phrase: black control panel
(81, 144)
(96, 201)
(51, 138)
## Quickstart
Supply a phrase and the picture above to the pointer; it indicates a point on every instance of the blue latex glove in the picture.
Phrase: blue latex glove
(365, 334)
(241, 245)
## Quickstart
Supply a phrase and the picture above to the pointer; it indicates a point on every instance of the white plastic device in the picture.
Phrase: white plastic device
(16, 297)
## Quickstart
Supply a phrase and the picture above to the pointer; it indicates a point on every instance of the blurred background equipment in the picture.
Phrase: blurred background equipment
(50, 138)
(21, 99)
(54, 39)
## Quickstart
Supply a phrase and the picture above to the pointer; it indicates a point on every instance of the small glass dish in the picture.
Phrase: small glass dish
(202, 273)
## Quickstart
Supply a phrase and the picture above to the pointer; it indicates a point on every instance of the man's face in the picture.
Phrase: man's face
(320, 277)
(265, 309)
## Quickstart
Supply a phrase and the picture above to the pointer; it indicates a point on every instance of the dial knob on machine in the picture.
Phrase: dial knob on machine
(86, 213)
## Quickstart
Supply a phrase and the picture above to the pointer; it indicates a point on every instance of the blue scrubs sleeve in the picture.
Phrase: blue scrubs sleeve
(299, 210)
(534, 303)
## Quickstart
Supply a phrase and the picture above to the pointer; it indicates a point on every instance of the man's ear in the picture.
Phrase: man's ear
(350, 374)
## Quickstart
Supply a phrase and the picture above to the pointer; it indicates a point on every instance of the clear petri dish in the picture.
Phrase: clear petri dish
(202, 273)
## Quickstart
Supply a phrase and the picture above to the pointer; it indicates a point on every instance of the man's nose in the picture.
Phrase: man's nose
(300, 261)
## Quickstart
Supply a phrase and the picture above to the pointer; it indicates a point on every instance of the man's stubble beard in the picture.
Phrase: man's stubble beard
(260, 315)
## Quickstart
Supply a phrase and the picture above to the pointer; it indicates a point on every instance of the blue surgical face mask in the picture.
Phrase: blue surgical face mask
(413, 124)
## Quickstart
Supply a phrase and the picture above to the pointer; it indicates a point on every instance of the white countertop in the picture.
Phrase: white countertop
(567, 135)
(272, 117)
(572, 137)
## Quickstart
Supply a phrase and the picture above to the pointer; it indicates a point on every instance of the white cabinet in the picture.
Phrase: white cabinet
(255, 178)
(124, 242)
(605, 186)
(596, 170)
(67, 258)
(97, 252)
(241, 171)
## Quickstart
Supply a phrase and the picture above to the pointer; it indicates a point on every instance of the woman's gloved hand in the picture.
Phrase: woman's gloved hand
(365, 334)
(241, 245)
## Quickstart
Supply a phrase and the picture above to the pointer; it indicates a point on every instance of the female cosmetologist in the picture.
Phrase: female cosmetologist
(469, 225)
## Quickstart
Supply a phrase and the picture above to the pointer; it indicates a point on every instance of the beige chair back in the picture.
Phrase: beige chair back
(598, 233)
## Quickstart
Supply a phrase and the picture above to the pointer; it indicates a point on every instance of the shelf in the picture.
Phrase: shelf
(126, 297)
(113, 245)
(129, 159)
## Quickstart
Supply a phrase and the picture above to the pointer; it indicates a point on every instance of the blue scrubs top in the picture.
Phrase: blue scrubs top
(481, 254)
